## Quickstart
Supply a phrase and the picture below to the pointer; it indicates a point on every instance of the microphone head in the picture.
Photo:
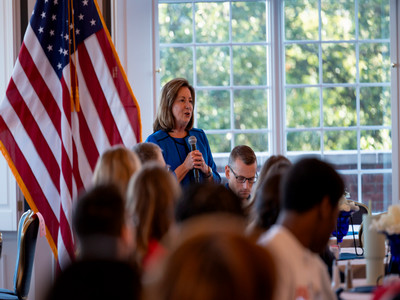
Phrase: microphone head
(192, 140)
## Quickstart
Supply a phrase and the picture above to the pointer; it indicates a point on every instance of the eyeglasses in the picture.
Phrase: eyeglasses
(242, 179)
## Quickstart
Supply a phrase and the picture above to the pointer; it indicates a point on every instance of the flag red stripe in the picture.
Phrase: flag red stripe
(98, 97)
(66, 233)
(29, 179)
(33, 130)
(77, 175)
(120, 84)
(40, 87)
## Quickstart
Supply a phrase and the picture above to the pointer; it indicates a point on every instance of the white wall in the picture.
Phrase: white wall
(133, 37)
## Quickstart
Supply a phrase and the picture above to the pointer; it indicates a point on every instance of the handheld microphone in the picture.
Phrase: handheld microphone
(192, 142)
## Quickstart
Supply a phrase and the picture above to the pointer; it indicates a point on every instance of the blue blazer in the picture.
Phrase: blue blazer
(175, 159)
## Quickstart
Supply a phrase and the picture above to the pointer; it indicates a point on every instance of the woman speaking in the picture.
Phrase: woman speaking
(185, 148)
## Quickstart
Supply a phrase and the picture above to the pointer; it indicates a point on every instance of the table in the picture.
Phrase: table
(346, 295)
(357, 264)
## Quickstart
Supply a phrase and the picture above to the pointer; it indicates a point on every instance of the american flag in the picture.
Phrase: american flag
(68, 100)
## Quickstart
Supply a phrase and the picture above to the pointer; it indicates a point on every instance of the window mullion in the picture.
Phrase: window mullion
(277, 100)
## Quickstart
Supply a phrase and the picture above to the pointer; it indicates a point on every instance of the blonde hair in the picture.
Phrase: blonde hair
(165, 119)
(116, 166)
(151, 196)
(213, 265)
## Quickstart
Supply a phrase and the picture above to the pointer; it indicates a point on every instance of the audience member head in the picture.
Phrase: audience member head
(151, 197)
(310, 197)
(267, 202)
(149, 152)
(274, 162)
(116, 166)
(266, 197)
(207, 198)
(241, 171)
(211, 263)
(165, 119)
(101, 225)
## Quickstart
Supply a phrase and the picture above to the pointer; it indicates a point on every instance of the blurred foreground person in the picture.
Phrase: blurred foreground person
(151, 197)
(116, 166)
(149, 152)
(310, 195)
(207, 198)
(105, 242)
(213, 261)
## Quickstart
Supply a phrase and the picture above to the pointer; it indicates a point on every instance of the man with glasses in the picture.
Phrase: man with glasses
(241, 172)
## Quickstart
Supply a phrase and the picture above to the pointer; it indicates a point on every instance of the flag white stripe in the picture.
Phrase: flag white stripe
(63, 256)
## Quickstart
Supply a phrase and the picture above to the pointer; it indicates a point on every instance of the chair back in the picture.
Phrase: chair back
(27, 236)
(357, 216)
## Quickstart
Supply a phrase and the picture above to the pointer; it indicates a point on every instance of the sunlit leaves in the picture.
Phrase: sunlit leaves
(375, 106)
(301, 63)
(374, 19)
(212, 22)
(249, 22)
(302, 108)
(175, 23)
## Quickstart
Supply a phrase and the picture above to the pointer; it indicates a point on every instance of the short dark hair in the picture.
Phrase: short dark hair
(206, 198)
(100, 210)
(308, 182)
(244, 153)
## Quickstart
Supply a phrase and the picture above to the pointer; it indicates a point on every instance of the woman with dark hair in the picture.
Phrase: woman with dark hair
(173, 127)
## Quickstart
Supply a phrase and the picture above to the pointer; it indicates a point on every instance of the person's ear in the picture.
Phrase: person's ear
(227, 172)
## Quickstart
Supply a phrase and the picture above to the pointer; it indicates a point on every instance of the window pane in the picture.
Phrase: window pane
(338, 19)
(342, 162)
(304, 141)
(338, 63)
(375, 106)
(351, 185)
(176, 62)
(219, 142)
(302, 108)
(249, 65)
(374, 62)
(301, 64)
(248, 22)
(377, 188)
(212, 66)
(339, 107)
(213, 109)
(301, 19)
(212, 22)
(251, 109)
(374, 19)
(175, 21)
(374, 140)
(340, 140)
(376, 160)
(258, 141)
